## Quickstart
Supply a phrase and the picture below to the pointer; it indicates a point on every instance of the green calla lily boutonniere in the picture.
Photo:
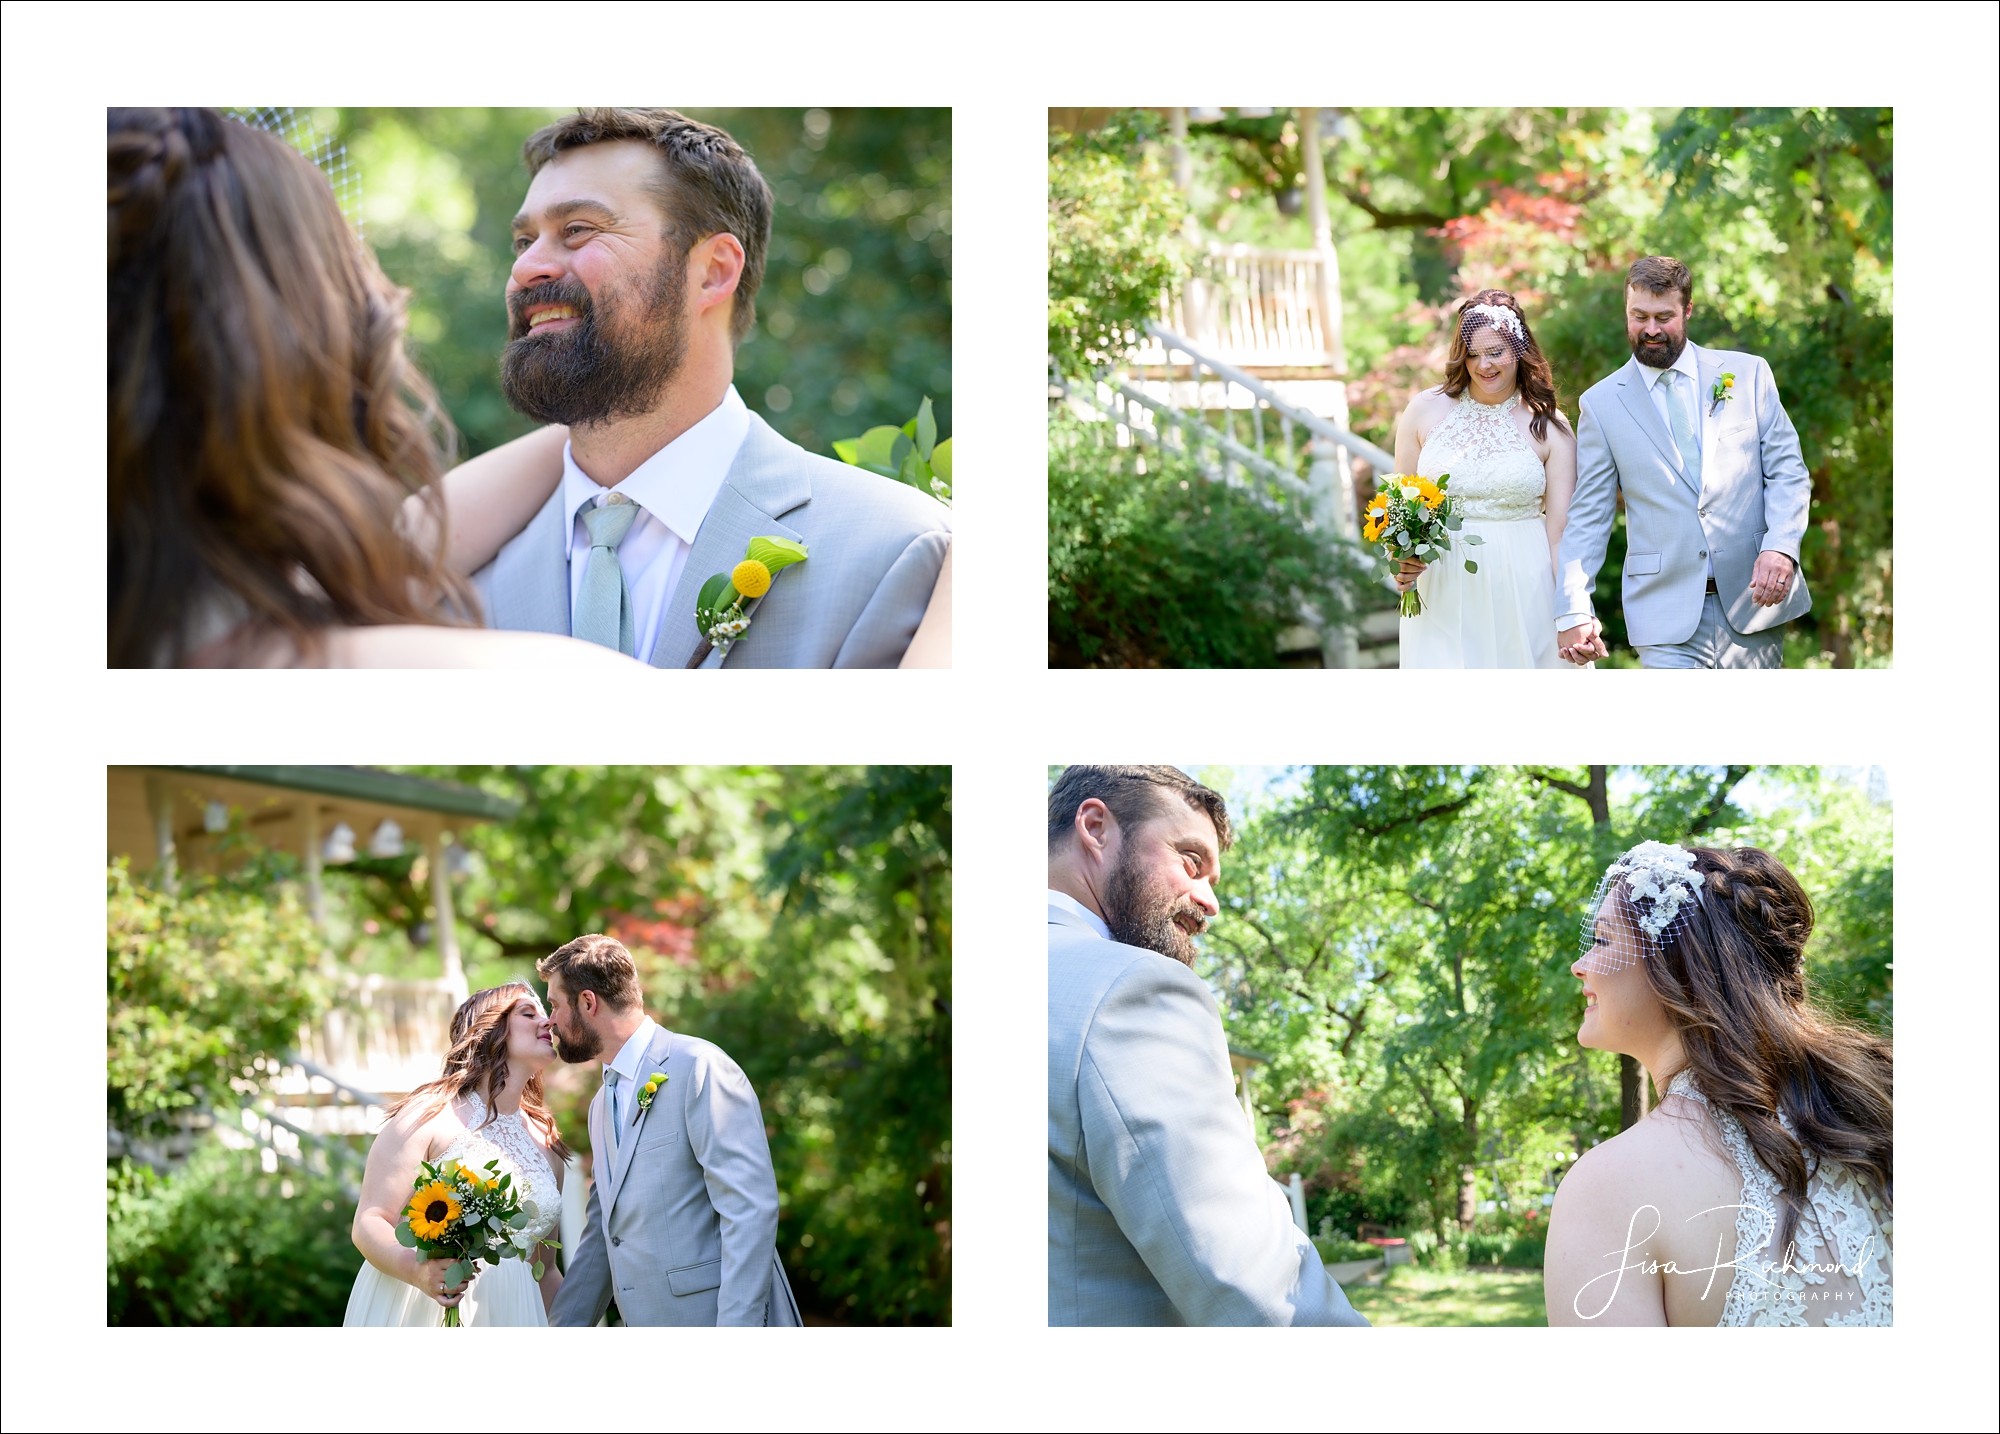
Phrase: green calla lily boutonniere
(727, 601)
(646, 1093)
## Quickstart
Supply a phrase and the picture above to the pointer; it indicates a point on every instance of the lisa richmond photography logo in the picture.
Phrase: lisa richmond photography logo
(1799, 1288)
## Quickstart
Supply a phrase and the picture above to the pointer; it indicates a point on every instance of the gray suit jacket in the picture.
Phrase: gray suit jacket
(1160, 1209)
(874, 546)
(683, 1217)
(1754, 495)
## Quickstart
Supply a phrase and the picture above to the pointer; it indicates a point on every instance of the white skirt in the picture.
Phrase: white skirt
(1504, 615)
(507, 1296)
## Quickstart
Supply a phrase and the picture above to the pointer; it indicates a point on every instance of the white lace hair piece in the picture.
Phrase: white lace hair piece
(1656, 887)
(326, 152)
(1505, 320)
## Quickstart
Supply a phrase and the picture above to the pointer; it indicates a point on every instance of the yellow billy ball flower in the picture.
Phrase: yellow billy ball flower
(751, 578)
(432, 1210)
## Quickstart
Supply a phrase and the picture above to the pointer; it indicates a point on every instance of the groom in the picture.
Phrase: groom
(683, 1217)
(1160, 1208)
(637, 257)
(1715, 494)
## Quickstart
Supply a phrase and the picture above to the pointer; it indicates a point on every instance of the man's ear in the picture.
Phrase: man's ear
(1096, 829)
(586, 1002)
(715, 267)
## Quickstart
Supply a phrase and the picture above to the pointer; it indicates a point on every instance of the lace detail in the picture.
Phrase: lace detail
(1849, 1282)
(1495, 475)
(509, 1141)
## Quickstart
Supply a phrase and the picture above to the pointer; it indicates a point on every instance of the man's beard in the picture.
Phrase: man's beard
(610, 363)
(1662, 353)
(578, 1045)
(1145, 914)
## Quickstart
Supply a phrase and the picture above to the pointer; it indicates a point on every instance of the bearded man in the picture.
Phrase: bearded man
(638, 253)
(1160, 1209)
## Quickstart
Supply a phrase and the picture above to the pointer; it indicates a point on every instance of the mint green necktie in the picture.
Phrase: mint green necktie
(611, 1103)
(604, 601)
(1683, 428)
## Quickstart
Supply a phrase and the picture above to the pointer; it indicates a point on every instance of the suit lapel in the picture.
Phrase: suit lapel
(1710, 367)
(634, 1122)
(766, 481)
(1638, 401)
(531, 575)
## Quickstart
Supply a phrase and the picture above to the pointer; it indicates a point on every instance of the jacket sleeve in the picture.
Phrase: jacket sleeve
(1173, 1159)
(1587, 529)
(586, 1286)
(1787, 485)
(882, 633)
(725, 1129)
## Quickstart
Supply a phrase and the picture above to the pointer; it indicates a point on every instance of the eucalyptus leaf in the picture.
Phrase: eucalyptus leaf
(406, 1237)
(1471, 566)
(926, 430)
(536, 1270)
(1474, 538)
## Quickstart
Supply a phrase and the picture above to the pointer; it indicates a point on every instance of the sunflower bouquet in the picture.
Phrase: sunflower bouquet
(467, 1215)
(1412, 517)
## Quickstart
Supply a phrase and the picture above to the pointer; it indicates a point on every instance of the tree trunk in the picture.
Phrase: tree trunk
(1631, 1092)
(1598, 795)
(1468, 1175)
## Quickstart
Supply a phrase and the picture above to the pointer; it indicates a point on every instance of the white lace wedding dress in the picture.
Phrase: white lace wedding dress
(1504, 615)
(507, 1295)
(1844, 1226)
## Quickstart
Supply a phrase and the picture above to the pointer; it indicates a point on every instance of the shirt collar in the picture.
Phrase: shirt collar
(1064, 902)
(1685, 364)
(678, 484)
(634, 1051)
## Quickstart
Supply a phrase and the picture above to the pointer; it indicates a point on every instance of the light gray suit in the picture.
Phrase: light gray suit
(683, 1215)
(1754, 496)
(1160, 1209)
(874, 546)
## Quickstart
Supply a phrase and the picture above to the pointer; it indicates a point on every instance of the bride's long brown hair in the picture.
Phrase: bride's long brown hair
(1734, 983)
(1533, 379)
(476, 1064)
(265, 424)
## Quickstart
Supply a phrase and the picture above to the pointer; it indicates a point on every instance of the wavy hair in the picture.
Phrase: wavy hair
(265, 424)
(1533, 378)
(477, 1064)
(1733, 982)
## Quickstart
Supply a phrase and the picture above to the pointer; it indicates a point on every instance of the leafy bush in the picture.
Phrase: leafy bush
(1335, 1252)
(220, 1242)
(202, 987)
(1167, 568)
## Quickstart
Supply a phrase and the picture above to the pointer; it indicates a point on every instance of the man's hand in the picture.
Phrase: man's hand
(1582, 643)
(1408, 573)
(1771, 580)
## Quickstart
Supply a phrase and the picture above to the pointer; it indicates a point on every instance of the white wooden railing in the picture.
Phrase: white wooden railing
(1257, 308)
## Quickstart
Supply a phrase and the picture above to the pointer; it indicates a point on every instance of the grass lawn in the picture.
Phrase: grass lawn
(1417, 1297)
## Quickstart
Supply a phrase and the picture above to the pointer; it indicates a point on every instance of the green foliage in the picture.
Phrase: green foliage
(1114, 239)
(1166, 567)
(1420, 1297)
(222, 1243)
(205, 991)
(910, 454)
(854, 316)
(1399, 941)
(801, 919)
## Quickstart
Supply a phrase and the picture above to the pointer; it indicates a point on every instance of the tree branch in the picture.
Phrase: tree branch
(1718, 801)
(1389, 219)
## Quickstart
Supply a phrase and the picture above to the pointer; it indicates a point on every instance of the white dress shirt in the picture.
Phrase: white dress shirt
(620, 1097)
(1685, 391)
(674, 489)
(1077, 908)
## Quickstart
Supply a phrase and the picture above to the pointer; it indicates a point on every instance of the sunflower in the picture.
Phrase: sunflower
(432, 1211)
(1430, 492)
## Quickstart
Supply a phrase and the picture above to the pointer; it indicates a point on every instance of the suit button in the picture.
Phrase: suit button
(616, 1241)
(1702, 554)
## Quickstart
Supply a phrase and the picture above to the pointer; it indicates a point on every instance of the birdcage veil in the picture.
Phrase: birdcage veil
(1641, 904)
(327, 152)
(1498, 317)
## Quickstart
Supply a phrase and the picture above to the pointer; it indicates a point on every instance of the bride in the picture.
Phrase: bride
(486, 1106)
(1493, 425)
(1759, 1191)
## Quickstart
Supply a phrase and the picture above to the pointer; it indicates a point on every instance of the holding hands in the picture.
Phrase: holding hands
(1582, 643)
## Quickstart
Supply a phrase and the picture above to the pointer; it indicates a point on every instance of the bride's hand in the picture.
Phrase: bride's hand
(1408, 573)
(430, 1278)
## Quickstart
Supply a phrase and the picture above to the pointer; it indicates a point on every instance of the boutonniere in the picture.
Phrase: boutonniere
(1722, 392)
(720, 611)
(646, 1093)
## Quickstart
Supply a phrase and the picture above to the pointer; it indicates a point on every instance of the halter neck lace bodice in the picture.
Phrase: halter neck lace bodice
(1495, 475)
(509, 1141)
(1844, 1225)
